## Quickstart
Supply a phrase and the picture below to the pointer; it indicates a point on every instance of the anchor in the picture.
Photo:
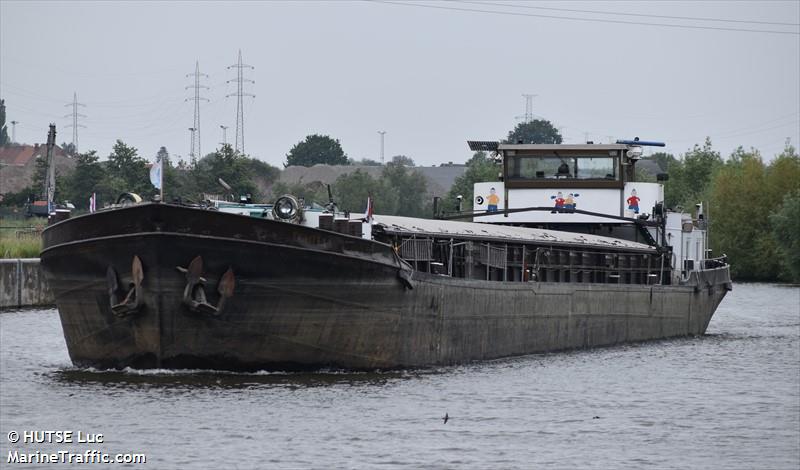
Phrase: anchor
(131, 301)
(194, 294)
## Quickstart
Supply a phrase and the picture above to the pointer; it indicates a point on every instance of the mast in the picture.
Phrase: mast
(50, 180)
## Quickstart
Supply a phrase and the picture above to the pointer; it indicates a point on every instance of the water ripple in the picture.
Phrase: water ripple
(729, 399)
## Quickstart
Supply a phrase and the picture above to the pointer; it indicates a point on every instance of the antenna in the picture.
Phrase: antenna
(195, 146)
(240, 94)
(528, 116)
(75, 115)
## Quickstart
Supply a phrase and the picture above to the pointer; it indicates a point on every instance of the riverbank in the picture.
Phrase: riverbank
(23, 284)
(20, 238)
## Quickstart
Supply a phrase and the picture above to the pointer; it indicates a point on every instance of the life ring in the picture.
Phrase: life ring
(128, 199)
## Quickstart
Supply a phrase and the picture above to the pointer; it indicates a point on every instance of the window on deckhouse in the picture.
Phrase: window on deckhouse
(562, 167)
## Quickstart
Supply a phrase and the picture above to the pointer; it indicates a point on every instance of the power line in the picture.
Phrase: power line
(572, 18)
(240, 94)
(195, 146)
(749, 129)
(75, 115)
(757, 130)
(639, 15)
(29, 94)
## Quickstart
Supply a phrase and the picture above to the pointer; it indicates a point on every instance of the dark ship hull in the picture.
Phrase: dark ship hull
(272, 295)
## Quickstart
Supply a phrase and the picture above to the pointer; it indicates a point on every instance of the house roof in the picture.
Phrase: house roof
(22, 155)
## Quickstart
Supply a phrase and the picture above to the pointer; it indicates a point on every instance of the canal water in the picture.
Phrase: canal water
(729, 399)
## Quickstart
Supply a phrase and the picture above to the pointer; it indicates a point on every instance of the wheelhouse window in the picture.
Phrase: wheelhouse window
(571, 167)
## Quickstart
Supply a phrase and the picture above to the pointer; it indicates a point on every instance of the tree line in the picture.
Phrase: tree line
(126, 171)
(400, 189)
(753, 206)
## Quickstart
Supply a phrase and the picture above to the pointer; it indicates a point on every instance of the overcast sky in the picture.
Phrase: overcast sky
(431, 76)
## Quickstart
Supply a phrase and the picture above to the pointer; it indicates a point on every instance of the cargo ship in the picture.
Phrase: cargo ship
(564, 251)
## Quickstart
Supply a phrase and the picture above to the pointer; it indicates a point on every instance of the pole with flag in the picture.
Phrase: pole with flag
(157, 177)
(368, 218)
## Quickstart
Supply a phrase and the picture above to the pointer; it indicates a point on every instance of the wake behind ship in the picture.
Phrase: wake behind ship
(248, 286)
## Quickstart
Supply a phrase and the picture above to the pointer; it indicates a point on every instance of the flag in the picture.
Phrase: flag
(368, 212)
(93, 203)
(155, 174)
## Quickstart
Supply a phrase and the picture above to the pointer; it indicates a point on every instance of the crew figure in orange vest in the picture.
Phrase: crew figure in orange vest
(493, 201)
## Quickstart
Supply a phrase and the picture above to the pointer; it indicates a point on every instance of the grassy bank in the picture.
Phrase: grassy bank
(21, 238)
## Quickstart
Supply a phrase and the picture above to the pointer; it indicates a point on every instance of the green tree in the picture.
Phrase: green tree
(783, 188)
(17, 199)
(89, 176)
(690, 177)
(538, 131)
(739, 218)
(699, 166)
(403, 160)
(162, 155)
(352, 189)
(480, 169)
(262, 174)
(786, 232)
(176, 182)
(39, 175)
(3, 128)
(127, 171)
(228, 164)
(783, 175)
(410, 187)
(316, 149)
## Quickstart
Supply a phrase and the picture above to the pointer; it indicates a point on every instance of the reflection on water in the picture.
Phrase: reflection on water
(729, 399)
